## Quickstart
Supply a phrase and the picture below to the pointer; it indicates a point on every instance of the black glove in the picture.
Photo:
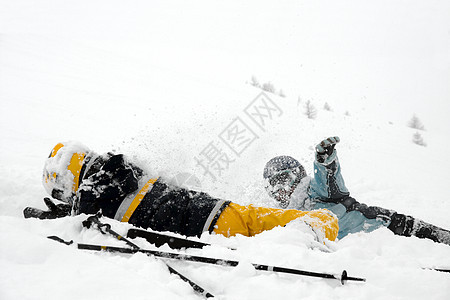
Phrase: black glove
(55, 211)
(325, 149)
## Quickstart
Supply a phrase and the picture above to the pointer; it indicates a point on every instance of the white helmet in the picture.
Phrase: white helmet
(62, 170)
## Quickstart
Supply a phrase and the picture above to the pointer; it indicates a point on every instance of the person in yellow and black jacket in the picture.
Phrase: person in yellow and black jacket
(87, 183)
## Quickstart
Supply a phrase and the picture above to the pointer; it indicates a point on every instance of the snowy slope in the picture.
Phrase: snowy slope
(162, 82)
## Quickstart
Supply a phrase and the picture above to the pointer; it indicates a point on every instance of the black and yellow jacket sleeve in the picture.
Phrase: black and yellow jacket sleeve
(169, 208)
(111, 184)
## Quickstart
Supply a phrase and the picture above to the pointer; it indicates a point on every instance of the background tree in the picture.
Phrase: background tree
(310, 110)
(269, 87)
(418, 139)
(255, 82)
(416, 123)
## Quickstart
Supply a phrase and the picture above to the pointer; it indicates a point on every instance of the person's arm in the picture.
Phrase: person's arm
(54, 210)
(327, 184)
(328, 187)
(106, 187)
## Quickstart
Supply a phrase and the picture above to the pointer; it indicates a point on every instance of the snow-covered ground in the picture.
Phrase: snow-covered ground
(166, 82)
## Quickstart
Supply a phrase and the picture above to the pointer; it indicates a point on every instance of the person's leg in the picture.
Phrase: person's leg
(409, 226)
(250, 220)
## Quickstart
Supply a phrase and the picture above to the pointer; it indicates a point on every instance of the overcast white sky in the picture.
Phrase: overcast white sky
(395, 54)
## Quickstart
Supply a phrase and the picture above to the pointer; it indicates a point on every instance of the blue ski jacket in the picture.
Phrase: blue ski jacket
(327, 190)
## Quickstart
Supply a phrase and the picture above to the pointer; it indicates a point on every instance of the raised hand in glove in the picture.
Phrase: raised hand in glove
(55, 211)
(325, 150)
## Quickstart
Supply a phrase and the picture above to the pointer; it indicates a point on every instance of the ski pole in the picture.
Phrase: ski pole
(107, 227)
(438, 269)
(442, 270)
(343, 277)
(158, 239)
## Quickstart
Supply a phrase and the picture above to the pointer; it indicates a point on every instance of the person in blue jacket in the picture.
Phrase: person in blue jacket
(287, 182)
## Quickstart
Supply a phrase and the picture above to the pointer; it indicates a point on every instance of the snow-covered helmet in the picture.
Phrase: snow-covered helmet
(281, 175)
(62, 170)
